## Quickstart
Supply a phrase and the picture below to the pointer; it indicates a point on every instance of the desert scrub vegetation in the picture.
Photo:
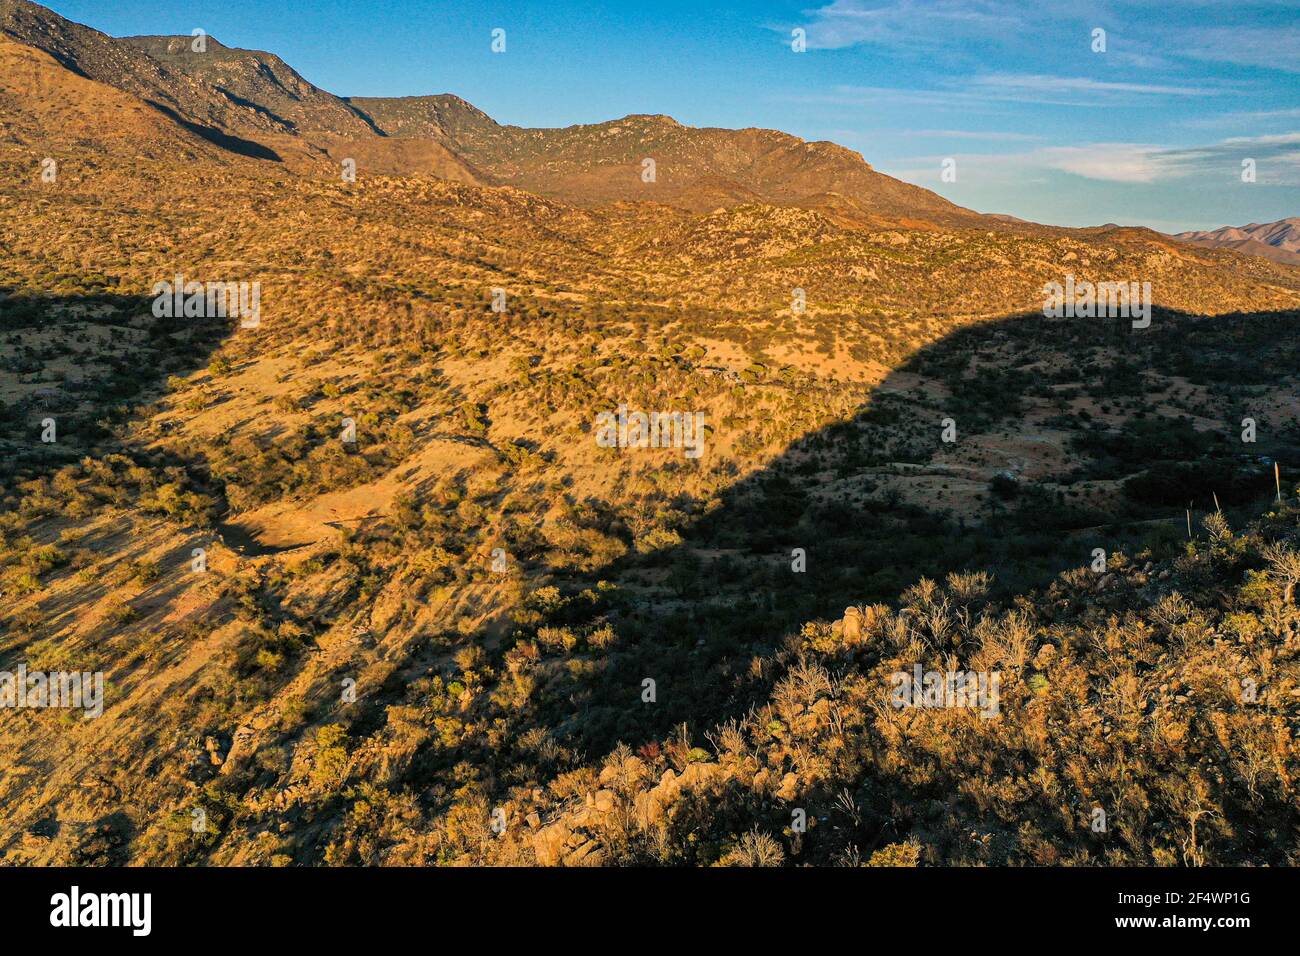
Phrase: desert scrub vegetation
(92, 484)
(311, 460)
(522, 690)
(1163, 693)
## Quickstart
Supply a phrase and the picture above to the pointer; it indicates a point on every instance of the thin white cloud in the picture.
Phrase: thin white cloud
(1272, 140)
(1108, 162)
(1139, 36)
(909, 23)
(1239, 117)
(1278, 163)
(922, 24)
(990, 135)
(1015, 82)
(1113, 162)
(994, 89)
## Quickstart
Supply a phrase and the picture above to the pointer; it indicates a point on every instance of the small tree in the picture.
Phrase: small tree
(1284, 564)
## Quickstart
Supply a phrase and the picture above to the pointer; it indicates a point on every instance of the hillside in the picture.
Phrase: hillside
(200, 107)
(255, 104)
(1278, 241)
(362, 574)
(258, 80)
(1128, 698)
(697, 169)
(48, 110)
(474, 434)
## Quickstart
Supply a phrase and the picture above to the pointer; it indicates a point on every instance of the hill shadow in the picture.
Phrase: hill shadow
(1068, 435)
(223, 140)
(86, 361)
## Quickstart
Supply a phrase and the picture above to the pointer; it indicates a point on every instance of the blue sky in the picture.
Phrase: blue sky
(1152, 131)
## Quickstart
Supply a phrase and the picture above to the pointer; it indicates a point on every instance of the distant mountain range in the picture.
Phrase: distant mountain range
(1279, 241)
(172, 100)
(253, 103)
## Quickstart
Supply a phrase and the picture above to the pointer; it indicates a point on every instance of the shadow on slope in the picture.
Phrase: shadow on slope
(85, 362)
(226, 141)
(1137, 426)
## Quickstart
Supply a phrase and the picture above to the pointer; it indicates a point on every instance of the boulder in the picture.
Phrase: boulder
(549, 843)
(789, 787)
(241, 748)
(589, 854)
(851, 625)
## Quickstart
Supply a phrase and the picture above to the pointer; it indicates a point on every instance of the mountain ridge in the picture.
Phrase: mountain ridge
(697, 168)
(1279, 241)
(257, 98)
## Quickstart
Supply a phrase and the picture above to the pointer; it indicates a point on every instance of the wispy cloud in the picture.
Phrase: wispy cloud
(1108, 162)
(909, 23)
(990, 135)
(1140, 36)
(979, 92)
(1239, 117)
(1279, 139)
(926, 24)
(1037, 83)
(1045, 119)
(1145, 34)
(1112, 162)
(1276, 157)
